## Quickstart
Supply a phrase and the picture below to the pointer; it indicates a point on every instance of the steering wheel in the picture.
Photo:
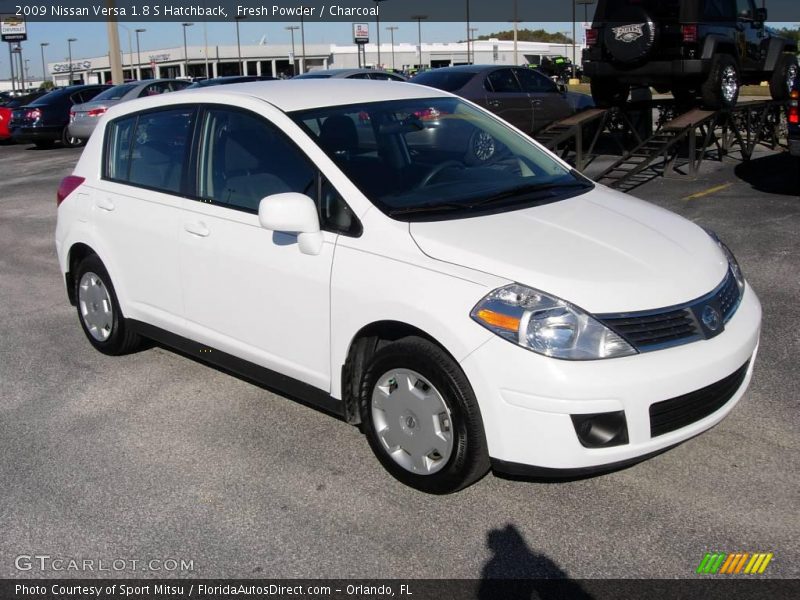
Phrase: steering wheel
(436, 170)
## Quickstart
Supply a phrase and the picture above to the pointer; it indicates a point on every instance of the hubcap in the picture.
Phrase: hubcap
(484, 146)
(730, 83)
(412, 421)
(95, 306)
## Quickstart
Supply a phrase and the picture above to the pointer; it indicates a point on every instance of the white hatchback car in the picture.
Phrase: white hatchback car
(341, 242)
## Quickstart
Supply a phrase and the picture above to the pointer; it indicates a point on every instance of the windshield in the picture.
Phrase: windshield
(116, 92)
(436, 156)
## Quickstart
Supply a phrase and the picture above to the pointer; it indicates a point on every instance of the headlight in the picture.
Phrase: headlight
(547, 325)
(734, 264)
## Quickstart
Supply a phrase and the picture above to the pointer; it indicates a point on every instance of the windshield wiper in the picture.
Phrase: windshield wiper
(423, 208)
(527, 190)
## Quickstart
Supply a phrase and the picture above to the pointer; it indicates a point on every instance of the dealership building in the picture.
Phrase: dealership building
(277, 59)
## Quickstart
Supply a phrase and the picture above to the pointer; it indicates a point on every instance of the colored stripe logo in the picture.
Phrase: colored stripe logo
(746, 563)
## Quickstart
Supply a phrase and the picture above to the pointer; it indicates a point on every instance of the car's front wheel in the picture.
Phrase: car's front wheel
(721, 89)
(784, 78)
(421, 417)
(99, 312)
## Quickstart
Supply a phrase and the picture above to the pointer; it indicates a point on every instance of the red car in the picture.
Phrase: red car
(9, 106)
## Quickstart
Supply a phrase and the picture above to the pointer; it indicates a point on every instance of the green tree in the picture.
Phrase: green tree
(530, 35)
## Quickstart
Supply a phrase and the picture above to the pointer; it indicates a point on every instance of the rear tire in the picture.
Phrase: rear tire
(99, 312)
(721, 89)
(69, 141)
(784, 77)
(421, 417)
(609, 92)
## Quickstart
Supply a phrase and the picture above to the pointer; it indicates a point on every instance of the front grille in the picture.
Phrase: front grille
(662, 328)
(673, 414)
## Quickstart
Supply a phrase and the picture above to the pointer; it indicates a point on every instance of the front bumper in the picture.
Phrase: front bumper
(526, 399)
(649, 73)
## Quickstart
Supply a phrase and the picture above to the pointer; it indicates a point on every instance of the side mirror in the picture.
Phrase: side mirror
(293, 213)
(761, 15)
(562, 89)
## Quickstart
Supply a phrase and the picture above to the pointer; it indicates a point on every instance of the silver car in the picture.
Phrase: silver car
(83, 117)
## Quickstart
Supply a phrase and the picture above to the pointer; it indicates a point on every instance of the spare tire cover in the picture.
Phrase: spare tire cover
(630, 34)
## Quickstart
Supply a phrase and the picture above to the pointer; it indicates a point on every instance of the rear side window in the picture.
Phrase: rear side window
(535, 83)
(149, 149)
(502, 82)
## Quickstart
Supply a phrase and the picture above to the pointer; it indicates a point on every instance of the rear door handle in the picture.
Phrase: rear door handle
(105, 204)
(494, 103)
(197, 228)
(536, 102)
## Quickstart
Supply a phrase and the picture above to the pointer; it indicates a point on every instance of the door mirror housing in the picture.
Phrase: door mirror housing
(293, 213)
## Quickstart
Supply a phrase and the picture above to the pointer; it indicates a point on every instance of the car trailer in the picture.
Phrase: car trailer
(682, 138)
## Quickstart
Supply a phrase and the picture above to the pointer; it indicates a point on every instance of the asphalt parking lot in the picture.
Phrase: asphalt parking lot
(156, 456)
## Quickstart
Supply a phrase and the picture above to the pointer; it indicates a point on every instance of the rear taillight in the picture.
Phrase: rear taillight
(72, 115)
(689, 34)
(96, 112)
(68, 185)
(33, 113)
(793, 116)
(591, 37)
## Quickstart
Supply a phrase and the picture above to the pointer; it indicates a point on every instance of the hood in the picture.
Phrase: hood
(603, 251)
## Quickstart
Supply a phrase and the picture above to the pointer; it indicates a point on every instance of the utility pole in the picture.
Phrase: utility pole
(291, 29)
(21, 66)
(378, 28)
(239, 45)
(139, 55)
(468, 36)
(303, 44)
(185, 52)
(11, 66)
(419, 19)
(516, 31)
(391, 33)
(574, 43)
(44, 70)
(69, 50)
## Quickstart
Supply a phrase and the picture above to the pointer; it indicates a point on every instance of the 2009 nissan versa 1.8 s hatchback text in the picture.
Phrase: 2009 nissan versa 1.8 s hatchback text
(326, 238)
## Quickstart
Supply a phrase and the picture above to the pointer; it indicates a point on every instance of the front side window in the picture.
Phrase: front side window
(149, 149)
(437, 155)
(244, 159)
(535, 83)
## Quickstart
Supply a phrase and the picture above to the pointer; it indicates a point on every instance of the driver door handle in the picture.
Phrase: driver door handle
(105, 204)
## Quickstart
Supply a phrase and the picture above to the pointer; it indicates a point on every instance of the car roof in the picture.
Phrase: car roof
(303, 94)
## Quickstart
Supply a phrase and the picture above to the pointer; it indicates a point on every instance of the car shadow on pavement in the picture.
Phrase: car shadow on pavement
(773, 174)
(515, 571)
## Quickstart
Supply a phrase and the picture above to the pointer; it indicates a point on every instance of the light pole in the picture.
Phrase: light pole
(130, 52)
(69, 51)
(139, 55)
(239, 45)
(468, 36)
(291, 29)
(574, 45)
(472, 31)
(303, 45)
(185, 53)
(44, 70)
(391, 34)
(419, 19)
(378, 28)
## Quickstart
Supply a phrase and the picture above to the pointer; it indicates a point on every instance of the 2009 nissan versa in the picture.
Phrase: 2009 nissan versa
(340, 242)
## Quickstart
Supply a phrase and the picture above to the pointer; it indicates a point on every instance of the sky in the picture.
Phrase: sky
(92, 37)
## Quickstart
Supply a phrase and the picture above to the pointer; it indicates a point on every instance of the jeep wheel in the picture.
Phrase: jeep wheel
(721, 89)
(784, 77)
(609, 92)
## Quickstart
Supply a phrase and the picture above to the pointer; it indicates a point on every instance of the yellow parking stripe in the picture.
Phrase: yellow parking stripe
(765, 563)
(709, 191)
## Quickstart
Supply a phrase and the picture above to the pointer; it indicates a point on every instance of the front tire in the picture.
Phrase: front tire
(99, 312)
(421, 417)
(721, 89)
(784, 78)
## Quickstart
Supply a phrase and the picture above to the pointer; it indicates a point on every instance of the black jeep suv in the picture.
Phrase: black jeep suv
(693, 48)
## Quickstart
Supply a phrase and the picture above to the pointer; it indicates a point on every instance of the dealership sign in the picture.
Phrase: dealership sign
(83, 65)
(12, 29)
(360, 33)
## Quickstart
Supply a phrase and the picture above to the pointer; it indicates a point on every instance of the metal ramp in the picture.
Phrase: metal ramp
(681, 143)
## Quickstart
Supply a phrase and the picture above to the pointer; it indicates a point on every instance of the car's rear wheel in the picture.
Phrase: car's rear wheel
(99, 312)
(68, 140)
(609, 92)
(784, 78)
(721, 89)
(421, 417)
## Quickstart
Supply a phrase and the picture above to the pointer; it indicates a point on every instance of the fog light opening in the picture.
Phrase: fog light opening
(601, 430)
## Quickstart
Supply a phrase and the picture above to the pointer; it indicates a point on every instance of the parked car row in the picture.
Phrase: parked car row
(524, 97)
